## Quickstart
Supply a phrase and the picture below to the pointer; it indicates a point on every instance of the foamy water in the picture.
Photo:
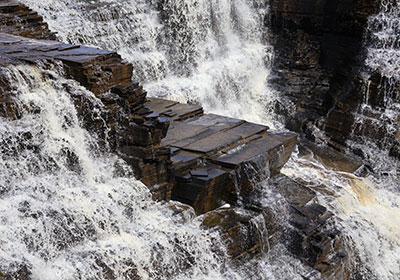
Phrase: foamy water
(75, 221)
(213, 53)
(210, 52)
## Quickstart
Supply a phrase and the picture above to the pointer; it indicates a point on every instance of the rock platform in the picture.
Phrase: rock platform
(215, 158)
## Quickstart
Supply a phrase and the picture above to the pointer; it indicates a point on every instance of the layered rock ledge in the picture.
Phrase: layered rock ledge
(180, 153)
(18, 19)
(215, 159)
(319, 56)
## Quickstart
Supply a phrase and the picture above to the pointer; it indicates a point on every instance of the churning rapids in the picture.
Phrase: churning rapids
(67, 223)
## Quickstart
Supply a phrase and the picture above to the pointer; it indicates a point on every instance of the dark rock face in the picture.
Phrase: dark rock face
(308, 230)
(312, 235)
(246, 234)
(318, 47)
(379, 94)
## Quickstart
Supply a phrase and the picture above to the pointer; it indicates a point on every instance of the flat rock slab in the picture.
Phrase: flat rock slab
(213, 142)
(18, 19)
(199, 173)
(247, 130)
(217, 122)
(184, 111)
(97, 70)
(184, 133)
(25, 49)
(184, 160)
(212, 153)
(159, 105)
(253, 149)
(174, 110)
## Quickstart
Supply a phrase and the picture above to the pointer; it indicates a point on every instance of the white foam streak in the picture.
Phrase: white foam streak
(213, 53)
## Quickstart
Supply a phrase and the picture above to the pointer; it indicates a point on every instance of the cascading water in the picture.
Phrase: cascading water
(366, 210)
(376, 122)
(209, 52)
(70, 212)
(383, 39)
(206, 52)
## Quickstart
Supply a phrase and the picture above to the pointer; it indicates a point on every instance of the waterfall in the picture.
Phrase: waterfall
(366, 210)
(383, 42)
(210, 52)
(69, 211)
(376, 122)
(196, 51)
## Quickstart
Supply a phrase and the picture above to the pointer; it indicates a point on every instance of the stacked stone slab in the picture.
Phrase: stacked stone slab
(18, 19)
(216, 159)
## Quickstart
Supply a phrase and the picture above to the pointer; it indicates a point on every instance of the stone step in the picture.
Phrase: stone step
(97, 70)
(216, 158)
(174, 110)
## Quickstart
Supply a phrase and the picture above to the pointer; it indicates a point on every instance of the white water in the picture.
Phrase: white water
(62, 223)
(210, 52)
(217, 58)
(69, 211)
(383, 44)
(366, 209)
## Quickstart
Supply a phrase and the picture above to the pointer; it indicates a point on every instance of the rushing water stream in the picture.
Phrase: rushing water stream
(211, 52)
(73, 223)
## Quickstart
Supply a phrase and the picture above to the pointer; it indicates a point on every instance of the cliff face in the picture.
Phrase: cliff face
(319, 52)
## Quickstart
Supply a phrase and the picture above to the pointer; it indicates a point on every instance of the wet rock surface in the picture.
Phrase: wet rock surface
(245, 233)
(307, 229)
(132, 128)
(18, 19)
(97, 70)
(319, 52)
(312, 235)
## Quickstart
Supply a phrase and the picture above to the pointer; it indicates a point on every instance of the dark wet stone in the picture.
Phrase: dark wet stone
(199, 173)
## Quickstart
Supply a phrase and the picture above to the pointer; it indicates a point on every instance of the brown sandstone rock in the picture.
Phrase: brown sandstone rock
(216, 158)
(18, 19)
